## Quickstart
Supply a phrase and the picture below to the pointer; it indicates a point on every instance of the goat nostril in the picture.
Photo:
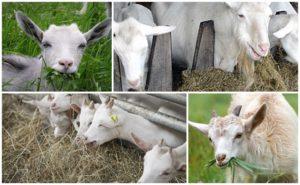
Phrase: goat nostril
(221, 157)
(264, 47)
(134, 82)
(53, 105)
(65, 63)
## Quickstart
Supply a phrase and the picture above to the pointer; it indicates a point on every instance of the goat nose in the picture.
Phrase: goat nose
(264, 47)
(134, 83)
(66, 63)
(221, 157)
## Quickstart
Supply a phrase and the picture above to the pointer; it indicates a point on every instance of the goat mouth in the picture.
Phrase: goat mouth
(222, 164)
(91, 144)
(254, 55)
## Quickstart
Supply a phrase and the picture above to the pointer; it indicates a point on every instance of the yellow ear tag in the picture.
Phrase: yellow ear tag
(114, 117)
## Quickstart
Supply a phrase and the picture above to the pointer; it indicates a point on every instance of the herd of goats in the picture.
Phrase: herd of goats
(98, 123)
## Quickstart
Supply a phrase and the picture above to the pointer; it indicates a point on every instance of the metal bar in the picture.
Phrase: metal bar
(176, 98)
(154, 117)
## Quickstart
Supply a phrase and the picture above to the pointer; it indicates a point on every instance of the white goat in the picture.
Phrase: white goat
(61, 122)
(283, 30)
(239, 26)
(63, 102)
(112, 122)
(62, 49)
(43, 106)
(161, 163)
(259, 129)
(84, 119)
(132, 35)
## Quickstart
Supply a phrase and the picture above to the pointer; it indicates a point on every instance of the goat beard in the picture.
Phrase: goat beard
(246, 67)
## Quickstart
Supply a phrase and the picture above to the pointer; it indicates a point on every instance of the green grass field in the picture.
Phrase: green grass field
(94, 72)
(200, 149)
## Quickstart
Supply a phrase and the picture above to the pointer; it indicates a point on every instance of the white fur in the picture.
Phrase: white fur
(238, 26)
(104, 128)
(283, 30)
(163, 163)
(62, 101)
(267, 126)
(132, 41)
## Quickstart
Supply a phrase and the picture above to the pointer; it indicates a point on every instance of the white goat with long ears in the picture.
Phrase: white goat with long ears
(259, 129)
(161, 163)
(111, 122)
(239, 26)
(85, 118)
(62, 50)
(132, 35)
(283, 30)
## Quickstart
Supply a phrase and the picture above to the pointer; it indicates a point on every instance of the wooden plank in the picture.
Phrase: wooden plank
(159, 76)
(295, 5)
(117, 74)
(204, 50)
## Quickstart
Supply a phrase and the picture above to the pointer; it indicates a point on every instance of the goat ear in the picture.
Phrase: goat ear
(85, 102)
(237, 110)
(50, 97)
(110, 104)
(31, 102)
(252, 122)
(76, 108)
(156, 30)
(285, 30)
(29, 27)
(179, 166)
(92, 105)
(140, 143)
(201, 127)
(98, 31)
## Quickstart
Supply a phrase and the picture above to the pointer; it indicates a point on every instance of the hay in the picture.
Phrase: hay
(31, 153)
(270, 75)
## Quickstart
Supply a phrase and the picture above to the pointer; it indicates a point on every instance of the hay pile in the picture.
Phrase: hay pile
(270, 75)
(31, 153)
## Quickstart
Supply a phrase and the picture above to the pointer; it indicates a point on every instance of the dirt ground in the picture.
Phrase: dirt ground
(31, 154)
(270, 75)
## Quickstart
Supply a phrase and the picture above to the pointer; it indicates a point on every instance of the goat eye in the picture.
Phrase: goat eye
(82, 46)
(89, 123)
(165, 173)
(46, 45)
(237, 136)
(241, 16)
(114, 35)
(210, 139)
(78, 123)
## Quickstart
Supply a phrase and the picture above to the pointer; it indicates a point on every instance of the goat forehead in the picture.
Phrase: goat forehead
(64, 34)
(221, 125)
(128, 32)
(255, 7)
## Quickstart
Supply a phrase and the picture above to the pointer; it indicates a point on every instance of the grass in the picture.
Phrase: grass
(200, 149)
(94, 72)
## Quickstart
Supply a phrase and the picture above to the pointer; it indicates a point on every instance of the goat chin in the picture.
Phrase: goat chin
(246, 67)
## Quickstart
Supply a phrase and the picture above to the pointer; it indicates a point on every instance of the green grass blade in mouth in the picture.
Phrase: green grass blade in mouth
(210, 163)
